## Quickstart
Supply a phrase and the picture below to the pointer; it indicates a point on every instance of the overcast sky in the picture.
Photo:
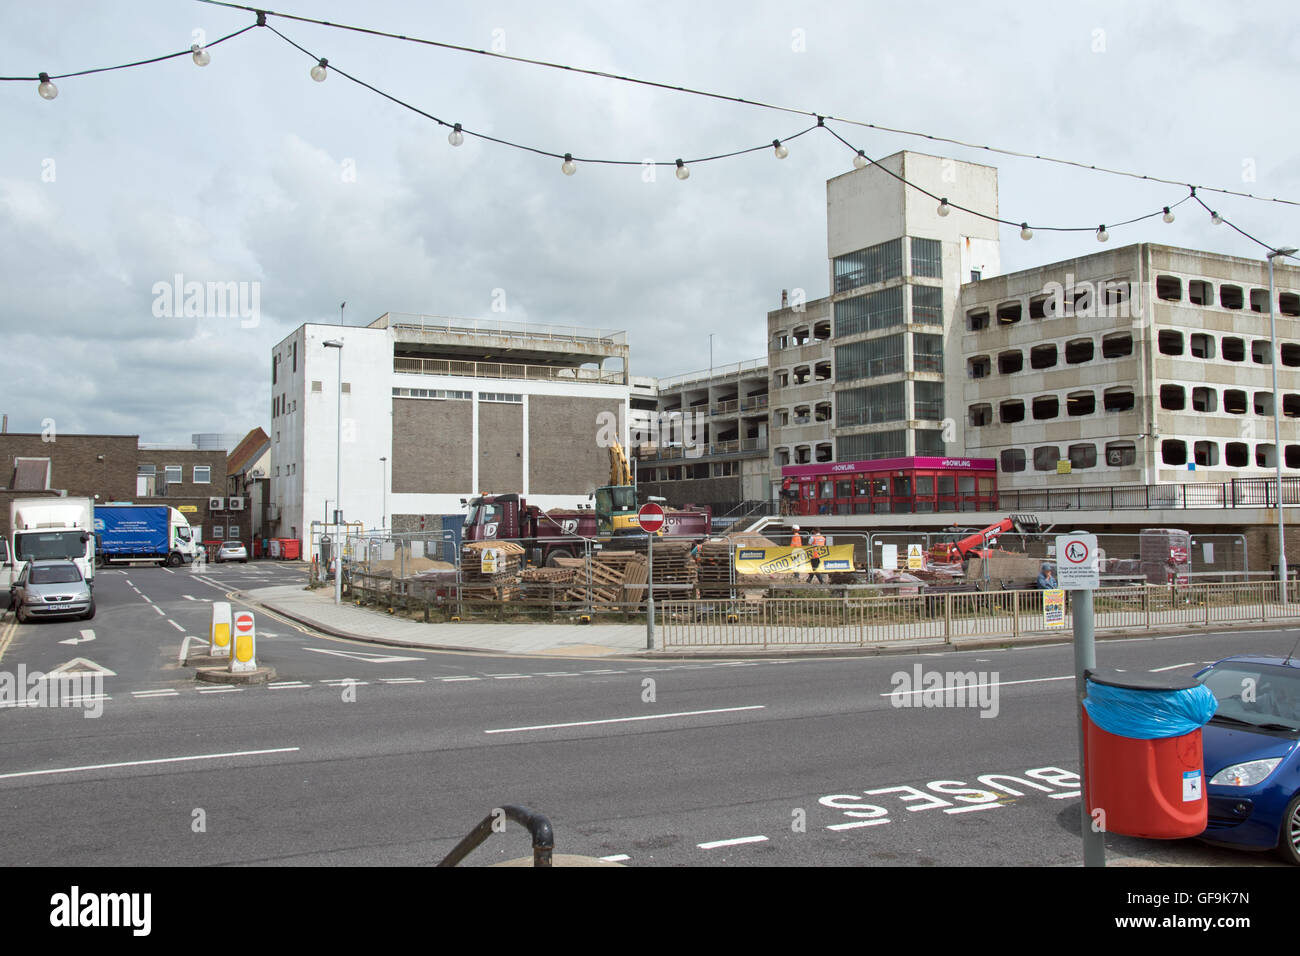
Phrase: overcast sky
(247, 171)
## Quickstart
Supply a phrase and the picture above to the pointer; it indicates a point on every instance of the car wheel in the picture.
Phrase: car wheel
(21, 614)
(90, 613)
(174, 559)
(1288, 846)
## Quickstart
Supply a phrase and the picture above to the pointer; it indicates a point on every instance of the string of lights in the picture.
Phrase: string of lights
(322, 67)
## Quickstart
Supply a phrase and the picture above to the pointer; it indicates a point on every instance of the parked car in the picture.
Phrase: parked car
(1252, 754)
(232, 551)
(52, 587)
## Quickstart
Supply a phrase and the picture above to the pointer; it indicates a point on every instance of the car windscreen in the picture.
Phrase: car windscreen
(1256, 693)
(35, 545)
(62, 574)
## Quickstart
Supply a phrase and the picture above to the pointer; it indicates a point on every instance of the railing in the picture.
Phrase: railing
(1237, 493)
(704, 375)
(537, 825)
(702, 449)
(550, 333)
(532, 373)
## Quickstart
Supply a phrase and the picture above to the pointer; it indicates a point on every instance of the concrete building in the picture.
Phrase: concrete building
(434, 410)
(1134, 366)
(873, 369)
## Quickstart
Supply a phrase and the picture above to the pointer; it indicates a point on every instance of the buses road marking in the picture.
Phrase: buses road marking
(623, 720)
(144, 763)
(736, 842)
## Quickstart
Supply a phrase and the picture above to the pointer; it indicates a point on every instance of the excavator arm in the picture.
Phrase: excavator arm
(619, 472)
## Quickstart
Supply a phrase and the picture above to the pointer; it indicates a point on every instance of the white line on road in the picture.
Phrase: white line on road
(1172, 667)
(448, 680)
(616, 858)
(573, 674)
(169, 570)
(736, 842)
(142, 763)
(604, 672)
(973, 807)
(400, 680)
(146, 597)
(156, 693)
(1001, 683)
(287, 685)
(365, 656)
(856, 824)
(1064, 796)
(161, 612)
(621, 720)
(175, 625)
(510, 676)
(221, 690)
(343, 682)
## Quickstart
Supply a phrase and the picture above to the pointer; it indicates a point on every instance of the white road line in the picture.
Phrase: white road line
(175, 625)
(161, 612)
(973, 807)
(143, 763)
(856, 824)
(220, 690)
(736, 664)
(400, 680)
(1064, 796)
(736, 842)
(146, 597)
(570, 673)
(510, 676)
(344, 682)
(604, 672)
(1001, 683)
(287, 684)
(448, 680)
(616, 858)
(623, 720)
(1172, 667)
(155, 693)
(169, 570)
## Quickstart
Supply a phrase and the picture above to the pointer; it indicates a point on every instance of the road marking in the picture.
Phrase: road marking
(736, 842)
(7, 636)
(1172, 667)
(1064, 796)
(400, 680)
(144, 763)
(1002, 683)
(973, 807)
(569, 673)
(146, 597)
(856, 824)
(343, 682)
(220, 690)
(616, 858)
(287, 684)
(191, 597)
(156, 693)
(448, 680)
(161, 612)
(86, 637)
(510, 676)
(622, 720)
(362, 655)
(736, 664)
(169, 570)
(175, 625)
(604, 672)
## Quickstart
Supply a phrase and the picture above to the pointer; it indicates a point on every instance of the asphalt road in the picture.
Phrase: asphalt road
(360, 754)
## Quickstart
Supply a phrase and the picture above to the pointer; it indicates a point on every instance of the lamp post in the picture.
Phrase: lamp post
(338, 479)
(1277, 434)
(383, 488)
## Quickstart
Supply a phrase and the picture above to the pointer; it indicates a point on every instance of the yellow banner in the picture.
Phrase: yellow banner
(836, 557)
(1054, 607)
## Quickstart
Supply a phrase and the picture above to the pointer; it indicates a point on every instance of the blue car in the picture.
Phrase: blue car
(1252, 754)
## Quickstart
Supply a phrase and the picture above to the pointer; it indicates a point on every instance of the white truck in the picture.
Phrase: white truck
(50, 528)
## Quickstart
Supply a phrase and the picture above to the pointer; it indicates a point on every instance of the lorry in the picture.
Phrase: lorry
(50, 528)
(129, 532)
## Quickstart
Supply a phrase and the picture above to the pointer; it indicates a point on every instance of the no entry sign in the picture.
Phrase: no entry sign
(650, 518)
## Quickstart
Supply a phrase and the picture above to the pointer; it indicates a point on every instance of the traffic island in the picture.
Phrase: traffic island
(223, 675)
(205, 660)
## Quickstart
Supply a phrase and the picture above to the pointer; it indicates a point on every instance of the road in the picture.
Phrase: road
(359, 754)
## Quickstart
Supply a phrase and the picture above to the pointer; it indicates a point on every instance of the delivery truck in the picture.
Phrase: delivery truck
(50, 528)
(125, 532)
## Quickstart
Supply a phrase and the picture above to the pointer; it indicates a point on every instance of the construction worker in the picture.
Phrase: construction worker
(796, 539)
(816, 540)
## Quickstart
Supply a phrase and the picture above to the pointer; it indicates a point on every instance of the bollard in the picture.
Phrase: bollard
(219, 633)
(244, 653)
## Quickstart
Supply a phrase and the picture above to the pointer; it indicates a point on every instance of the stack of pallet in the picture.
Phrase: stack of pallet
(617, 577)
(674, 570)
(547, 584)
(714, 573)
(500, 584)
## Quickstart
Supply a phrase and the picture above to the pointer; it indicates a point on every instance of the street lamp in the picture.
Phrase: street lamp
(1277, 434)
(383, 487)
(338, 478)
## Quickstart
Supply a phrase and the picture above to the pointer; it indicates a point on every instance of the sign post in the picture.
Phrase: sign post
(1077, 571)
(243, 656)
(651, 519)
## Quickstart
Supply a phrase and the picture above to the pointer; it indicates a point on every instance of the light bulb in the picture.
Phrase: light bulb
(318, 72)
(1102, 234)
(47, 89)
(781, 151)
(1025, 232)
(944, 208)
(456, 137)
(201, 56)
(683, 171)
(1168, 216)
(568, 167)
(860, 160)
(1216, 219)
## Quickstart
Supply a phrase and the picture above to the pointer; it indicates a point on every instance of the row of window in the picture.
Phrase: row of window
(883, 262)
(1118, 454)
(1201, 292)
(1173, 398)
(174, 474)
(441, 393)
(1236, 454)
(1173, 451)
(888, 403)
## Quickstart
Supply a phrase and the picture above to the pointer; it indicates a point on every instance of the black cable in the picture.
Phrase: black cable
(125, 66)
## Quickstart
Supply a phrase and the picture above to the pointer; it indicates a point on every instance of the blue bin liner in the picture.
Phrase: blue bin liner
(1149, 714)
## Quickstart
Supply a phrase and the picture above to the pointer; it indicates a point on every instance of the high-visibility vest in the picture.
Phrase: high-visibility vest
(796, 540)
(817, 541)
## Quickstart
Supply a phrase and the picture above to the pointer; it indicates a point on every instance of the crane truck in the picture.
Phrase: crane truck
(977, 545)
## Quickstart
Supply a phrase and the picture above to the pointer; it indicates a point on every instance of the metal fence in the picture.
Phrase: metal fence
(898, 620)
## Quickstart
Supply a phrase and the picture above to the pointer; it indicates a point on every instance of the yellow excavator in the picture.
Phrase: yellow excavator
(616, 505)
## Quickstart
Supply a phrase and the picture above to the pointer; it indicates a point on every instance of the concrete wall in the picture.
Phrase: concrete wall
(432, 446)
(563, 457)
(500, 447)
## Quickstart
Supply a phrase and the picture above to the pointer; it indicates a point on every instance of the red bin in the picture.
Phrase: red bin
(290, 549)
(1150, 788)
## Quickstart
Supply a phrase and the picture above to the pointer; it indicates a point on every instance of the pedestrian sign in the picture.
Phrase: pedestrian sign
(1076, 562)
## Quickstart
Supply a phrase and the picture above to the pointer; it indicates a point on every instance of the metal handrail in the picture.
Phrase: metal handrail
(536, 824)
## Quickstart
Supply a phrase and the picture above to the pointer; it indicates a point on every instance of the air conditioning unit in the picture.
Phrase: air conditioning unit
(236, 503)
(216, 504)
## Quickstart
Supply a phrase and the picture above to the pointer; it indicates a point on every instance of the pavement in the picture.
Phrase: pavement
(316, 609)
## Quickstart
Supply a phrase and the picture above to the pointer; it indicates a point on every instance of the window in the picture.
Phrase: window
(978, 367)
(928, 401)
(869, 406)
(275, 369)
(1261, 352)
(1078, 351)
(1080, 403)
(891, 444)
(218, 532)
(1083, 456)
(1173, 397)
(150, 470)
(1264, 403)
(1173, 451)
(1233, 349)
(1013, 459)
(1288, 303)
(315, 385)
(173, 474)
(202, 474)
(1042, 356)
(1117, 345)
(1046, 457)
(927, 305)
(1046, 406)
(1204, 400)
(1120, 454)
(1293, 456)
(1291, 405)
(1202, 345)
(977, 319)
(1169, 288)
(927, 258)
(295, 356)
(866, 266)
(1010, 362)
(1259, 300)
(1206, 453)
(1170, 342)
(929, 441)
(347, 388)
(1236, 454)
(927, 352)
(869, 359)
(1118, 400)
(1234, 401)
(980, 415)
(501, 397)
(863, 313)
(1290, 355)
(1266, 456)
(1011, 412)
(1008, 313)
(1231, 296)
(1038, 306)
(1200, 292)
